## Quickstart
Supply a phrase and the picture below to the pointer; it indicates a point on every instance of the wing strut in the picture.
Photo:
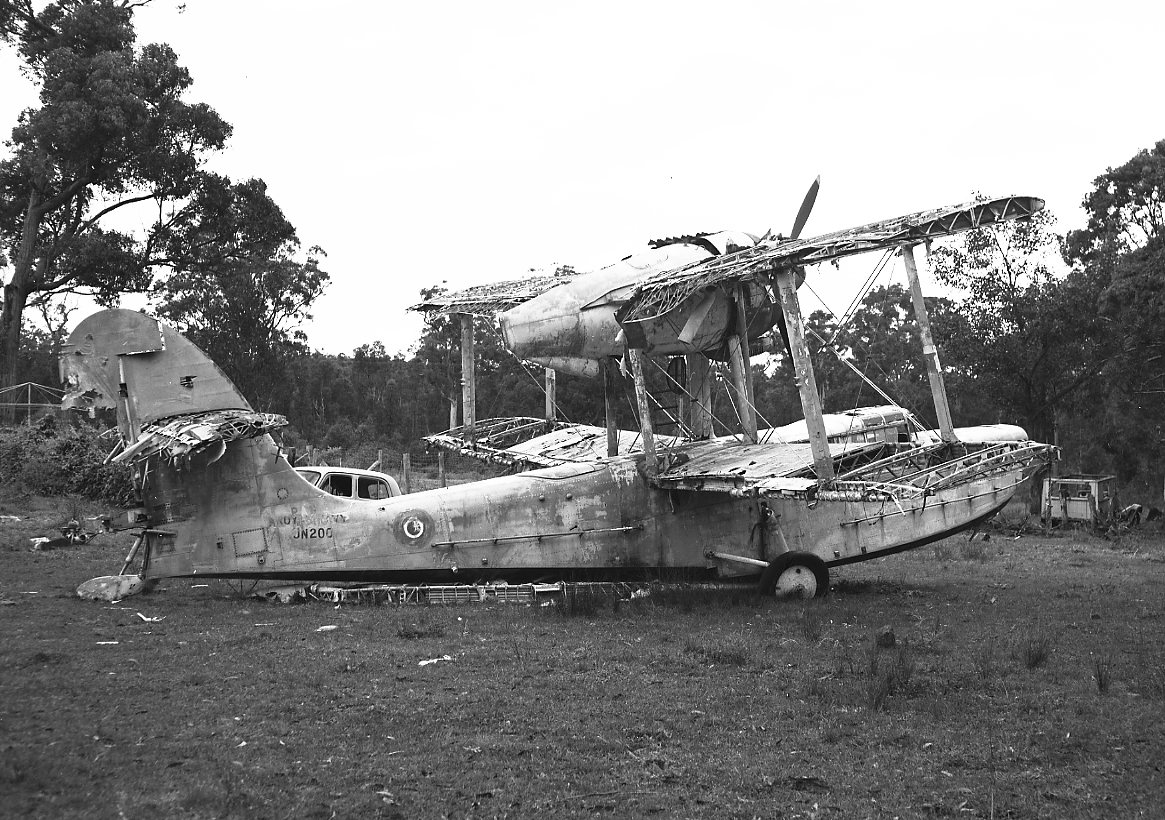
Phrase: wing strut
(806, 381)
(468, 381)
(929, 352)
(641, 399)
(741, 372)
(610, 405)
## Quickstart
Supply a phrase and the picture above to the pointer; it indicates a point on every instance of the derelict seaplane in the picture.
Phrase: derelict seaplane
(220, 499)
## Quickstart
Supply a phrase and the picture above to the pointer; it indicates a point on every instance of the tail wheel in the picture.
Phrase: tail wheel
(795, 575)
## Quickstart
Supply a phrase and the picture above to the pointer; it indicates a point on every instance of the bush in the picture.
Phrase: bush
(63, 458)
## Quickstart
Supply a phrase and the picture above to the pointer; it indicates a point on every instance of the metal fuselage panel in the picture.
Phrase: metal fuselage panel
(578, 319)
(250, 514)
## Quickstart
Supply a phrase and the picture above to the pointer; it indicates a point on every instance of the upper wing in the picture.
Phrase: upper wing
(487, 300)
(663, 292)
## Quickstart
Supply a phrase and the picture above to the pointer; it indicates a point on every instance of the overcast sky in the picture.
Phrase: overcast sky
(466, 142)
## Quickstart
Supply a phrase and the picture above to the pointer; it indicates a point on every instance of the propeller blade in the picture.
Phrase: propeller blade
(806, 208)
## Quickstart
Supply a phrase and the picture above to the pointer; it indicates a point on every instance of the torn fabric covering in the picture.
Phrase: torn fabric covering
(180, 437)
(530, 442)
(664, 291)
(492, 298)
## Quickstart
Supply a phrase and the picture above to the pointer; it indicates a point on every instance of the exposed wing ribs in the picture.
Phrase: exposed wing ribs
(179, 438)
(664, 292)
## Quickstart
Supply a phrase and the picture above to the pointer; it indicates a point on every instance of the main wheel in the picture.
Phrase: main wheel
(795, 575)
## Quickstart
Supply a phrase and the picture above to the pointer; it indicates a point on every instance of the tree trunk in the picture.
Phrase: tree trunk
(16, 292)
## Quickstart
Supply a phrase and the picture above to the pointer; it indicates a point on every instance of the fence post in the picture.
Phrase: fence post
(406, 473)
(441, 469)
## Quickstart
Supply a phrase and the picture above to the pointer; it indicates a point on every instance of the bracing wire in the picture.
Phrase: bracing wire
(693, 399)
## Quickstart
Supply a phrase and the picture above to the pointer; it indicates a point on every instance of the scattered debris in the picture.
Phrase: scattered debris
(411, 593)
(107, 643)
(434, 660)
(150, 620)
(326, 628)
(1131, 515)
(9, 517)
(111, 587)
(283, 594)
(71, 533)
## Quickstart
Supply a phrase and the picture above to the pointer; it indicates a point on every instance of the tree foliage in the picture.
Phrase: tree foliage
(1031, 338)
(1125, 210)
(112, 131)
(238, 288)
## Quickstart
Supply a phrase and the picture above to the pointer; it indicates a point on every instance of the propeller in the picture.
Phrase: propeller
(802, 214)
(806, 208)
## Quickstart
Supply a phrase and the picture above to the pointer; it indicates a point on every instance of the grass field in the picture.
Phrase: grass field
(1027, 680)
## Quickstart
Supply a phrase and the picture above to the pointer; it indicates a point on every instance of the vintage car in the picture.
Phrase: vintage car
(349, 482)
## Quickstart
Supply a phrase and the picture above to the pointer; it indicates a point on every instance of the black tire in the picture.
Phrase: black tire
(799, 562)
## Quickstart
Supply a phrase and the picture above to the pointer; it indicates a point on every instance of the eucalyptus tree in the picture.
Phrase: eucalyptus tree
(112, 131)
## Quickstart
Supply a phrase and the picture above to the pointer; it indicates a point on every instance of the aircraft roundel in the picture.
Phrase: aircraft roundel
(413, 527)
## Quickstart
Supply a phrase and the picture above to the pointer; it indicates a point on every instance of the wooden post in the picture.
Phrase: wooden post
(379, 461)
(938, 388)
(406, 473)
(700, 387)
(452, 413)
(468, 382)
(641, 400)
(738, 360)
(610, 402)
(442, 480)
(806, 381)
(551, 399)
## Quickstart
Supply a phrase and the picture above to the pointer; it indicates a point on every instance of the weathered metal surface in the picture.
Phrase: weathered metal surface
(577, 319)
(164, 379)
(111, 587)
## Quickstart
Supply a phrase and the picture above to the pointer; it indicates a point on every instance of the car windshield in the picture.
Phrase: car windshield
(312, 476)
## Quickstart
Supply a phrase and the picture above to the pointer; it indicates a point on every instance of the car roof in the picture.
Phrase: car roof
(323, 470)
